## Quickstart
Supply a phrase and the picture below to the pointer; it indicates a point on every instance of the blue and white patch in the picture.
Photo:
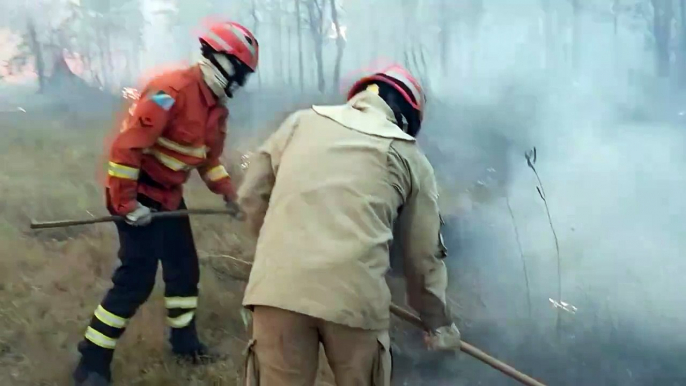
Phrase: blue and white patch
(163, 100)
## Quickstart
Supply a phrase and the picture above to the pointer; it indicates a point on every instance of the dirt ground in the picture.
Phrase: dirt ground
(52, 280)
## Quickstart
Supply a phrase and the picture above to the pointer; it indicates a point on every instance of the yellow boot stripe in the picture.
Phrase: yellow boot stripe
(109, 318)
(100, 339)
(182, 320)
(181, 302)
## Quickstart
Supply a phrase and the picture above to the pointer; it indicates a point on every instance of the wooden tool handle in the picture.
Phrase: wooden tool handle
(470, 350)
(155, 215)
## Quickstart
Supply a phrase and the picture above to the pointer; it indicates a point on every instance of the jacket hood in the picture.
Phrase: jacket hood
(367, 113)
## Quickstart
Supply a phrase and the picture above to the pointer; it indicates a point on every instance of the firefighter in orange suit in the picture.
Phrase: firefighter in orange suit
(177, 125)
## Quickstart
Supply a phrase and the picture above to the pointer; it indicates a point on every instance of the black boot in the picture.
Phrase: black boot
(187, 347)
(94, 366)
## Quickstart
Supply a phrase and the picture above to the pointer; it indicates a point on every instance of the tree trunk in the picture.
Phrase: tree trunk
(137, 58)
(87, 66)
(662, 18)
(129, 68)
(315, 12)
(278, 63)
(289, 54)
(444, 36)
(298, 16)
(475, 17)
(576, 34)
(319, 57)
(425, 70)
(409, 34)
(256, 24)
(108, 42)
(615, 34)
(615, 17)
(548, 43)
(37, 51)
(374, 33)
(105, 81)
(418, 69)
(682, 40)
(340, 47)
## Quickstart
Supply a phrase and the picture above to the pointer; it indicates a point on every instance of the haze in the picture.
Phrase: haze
(596, 86)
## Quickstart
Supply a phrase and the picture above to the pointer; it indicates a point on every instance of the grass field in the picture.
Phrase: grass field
(52, 280)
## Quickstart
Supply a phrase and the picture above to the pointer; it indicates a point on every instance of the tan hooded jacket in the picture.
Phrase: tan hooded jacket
(323, 193)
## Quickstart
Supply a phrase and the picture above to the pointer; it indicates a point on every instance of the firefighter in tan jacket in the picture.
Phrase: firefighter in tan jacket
(323, 194)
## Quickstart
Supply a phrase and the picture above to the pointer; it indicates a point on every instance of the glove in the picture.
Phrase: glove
(140, 216)
(233, 207)
(443, 338)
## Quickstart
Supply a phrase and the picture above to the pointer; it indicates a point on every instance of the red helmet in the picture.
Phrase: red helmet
(415, 97)
(232, 38)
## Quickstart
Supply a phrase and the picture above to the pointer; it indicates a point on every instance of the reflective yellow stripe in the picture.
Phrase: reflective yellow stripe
(179, 302)
(216, 173)
(100, 339)
(168, 161)
(109, 318)
(122, 171)
(181, 321)
(200, 152)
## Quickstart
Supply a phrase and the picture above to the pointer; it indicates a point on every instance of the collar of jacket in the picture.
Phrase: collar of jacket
(367, 113)
(208, 95)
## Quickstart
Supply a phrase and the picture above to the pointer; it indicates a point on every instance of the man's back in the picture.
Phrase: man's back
(341, 175)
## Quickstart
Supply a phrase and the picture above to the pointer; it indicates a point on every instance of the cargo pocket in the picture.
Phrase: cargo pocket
(382, 363)
(251, 368)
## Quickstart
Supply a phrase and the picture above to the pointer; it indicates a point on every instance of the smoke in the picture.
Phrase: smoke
(613, 191)
(611, 153)
(613, 176)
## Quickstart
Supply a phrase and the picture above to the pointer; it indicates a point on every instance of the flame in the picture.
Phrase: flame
(130, 93)
(245, 160)
(563, 306)
(334, 33)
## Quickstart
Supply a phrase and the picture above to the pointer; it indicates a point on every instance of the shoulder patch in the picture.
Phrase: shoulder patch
(162, 99)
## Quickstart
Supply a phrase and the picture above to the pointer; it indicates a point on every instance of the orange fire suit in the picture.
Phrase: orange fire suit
(174, 127)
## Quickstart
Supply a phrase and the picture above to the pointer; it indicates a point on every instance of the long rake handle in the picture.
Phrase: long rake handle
(155, 215)
(471, 350)
(414, 320)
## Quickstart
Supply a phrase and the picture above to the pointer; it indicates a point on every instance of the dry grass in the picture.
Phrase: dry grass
(50, 281)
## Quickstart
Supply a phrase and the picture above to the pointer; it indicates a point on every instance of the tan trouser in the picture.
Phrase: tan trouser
(284, 351)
